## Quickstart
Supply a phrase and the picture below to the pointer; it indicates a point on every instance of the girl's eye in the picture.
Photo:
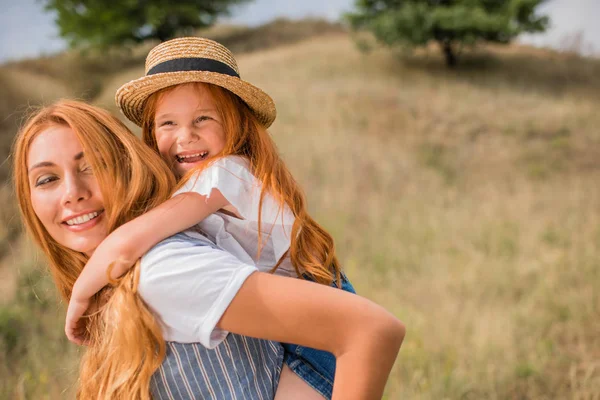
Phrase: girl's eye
(86, 168)
(166, 123)
(202, 118)
(44, 180)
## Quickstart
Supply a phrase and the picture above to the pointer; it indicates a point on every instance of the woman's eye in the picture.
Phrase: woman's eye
(44, 180)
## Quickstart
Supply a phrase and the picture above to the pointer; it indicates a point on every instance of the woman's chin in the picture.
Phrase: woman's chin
(85, 245)
(85, 240)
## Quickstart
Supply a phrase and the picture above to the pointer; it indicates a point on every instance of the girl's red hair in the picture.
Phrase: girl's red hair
(312, 249)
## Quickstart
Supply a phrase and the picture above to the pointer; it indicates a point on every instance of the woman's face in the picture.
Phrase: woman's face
(189, 129)
(64, 191)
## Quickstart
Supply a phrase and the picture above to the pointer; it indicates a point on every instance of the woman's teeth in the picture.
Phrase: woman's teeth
(82, 219)
(190, 158)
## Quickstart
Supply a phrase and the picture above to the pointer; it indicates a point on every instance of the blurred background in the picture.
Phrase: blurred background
(451, 147)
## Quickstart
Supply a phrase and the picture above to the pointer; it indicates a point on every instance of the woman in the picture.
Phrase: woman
(79, 174)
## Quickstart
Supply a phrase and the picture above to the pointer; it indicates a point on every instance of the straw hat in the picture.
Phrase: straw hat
(191, 59)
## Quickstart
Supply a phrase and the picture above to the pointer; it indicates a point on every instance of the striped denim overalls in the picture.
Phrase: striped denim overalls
(239, 368)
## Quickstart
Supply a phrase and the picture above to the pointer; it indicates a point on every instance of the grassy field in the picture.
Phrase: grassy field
(466, 202)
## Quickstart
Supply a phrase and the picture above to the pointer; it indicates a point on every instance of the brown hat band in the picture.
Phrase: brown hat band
(193, 64)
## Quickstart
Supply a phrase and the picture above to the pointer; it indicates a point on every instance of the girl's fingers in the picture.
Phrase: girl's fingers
(76, 333)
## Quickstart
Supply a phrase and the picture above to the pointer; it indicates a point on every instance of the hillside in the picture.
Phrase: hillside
(466, 202)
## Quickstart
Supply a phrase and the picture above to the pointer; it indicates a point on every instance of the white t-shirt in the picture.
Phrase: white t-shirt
(188, 283)
(232, 177)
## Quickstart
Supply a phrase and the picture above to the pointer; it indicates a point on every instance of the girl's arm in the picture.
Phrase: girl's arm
(132, 240)
(364, 337)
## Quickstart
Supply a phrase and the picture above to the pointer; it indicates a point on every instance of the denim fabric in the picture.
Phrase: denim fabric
(315, 367)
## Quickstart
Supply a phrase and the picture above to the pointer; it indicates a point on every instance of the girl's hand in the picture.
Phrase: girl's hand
(75, 325)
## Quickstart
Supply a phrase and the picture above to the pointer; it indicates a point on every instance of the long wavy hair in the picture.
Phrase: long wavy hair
(126, 344)
(312, 249)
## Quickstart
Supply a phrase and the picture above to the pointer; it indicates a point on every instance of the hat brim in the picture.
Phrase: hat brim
(131, 97)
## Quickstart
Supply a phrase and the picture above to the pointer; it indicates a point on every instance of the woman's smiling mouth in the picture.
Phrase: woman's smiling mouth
(83, 221)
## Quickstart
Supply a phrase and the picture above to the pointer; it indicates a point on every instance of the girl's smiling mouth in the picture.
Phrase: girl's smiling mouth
(192, 157)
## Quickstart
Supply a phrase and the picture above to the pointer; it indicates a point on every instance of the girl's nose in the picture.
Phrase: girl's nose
(187, 134)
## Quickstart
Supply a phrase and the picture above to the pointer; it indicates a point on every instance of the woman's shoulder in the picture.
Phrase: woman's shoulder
(190, 270)
(186, 258)
(170, 248)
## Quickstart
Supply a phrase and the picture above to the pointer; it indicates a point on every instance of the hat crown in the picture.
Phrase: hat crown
(190, 47)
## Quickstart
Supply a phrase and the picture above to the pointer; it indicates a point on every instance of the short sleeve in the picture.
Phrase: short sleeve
(189, 284)
(231, 176)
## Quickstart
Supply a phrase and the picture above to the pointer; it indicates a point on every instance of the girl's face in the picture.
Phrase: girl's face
(65, 195)
(189, 129)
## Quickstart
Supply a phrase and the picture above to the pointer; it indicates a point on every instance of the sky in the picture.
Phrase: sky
(27, 31)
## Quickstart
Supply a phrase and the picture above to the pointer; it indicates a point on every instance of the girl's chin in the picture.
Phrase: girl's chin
(183, 168)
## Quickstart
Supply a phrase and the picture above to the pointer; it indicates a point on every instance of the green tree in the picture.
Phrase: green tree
(450, 23)
(102, 23)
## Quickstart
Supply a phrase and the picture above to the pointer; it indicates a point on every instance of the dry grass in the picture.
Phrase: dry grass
(467, 207)
(465, 202)
(36, 361)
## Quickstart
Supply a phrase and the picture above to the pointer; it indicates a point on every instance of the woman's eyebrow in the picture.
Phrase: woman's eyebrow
(42, 164)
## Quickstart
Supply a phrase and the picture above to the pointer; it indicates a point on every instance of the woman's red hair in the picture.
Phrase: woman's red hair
(126, 345)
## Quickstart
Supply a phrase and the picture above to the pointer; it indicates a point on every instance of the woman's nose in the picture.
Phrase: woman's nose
(75, 189)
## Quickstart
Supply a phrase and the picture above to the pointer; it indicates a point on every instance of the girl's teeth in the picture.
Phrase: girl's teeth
(201, 155)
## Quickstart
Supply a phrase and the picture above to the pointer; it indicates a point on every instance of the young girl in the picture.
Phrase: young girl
(210, 127)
